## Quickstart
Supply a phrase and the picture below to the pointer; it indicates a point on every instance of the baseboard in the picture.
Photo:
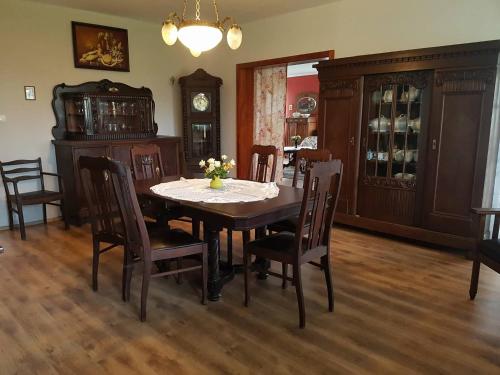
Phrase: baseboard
(35, 222)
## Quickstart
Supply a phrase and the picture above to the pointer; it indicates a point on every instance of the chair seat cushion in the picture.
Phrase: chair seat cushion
(279, 246)
(38, 197)
(491, 249)
(288, 225)
(163, 238)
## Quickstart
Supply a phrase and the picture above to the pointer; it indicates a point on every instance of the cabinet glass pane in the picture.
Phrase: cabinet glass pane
(379, 131)
(75, 115)
(406, 132)
(202, 135)
(121, 115)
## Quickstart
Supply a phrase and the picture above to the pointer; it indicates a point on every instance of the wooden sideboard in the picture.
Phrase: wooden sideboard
(299, 126)
(412, 129)
(104, 118)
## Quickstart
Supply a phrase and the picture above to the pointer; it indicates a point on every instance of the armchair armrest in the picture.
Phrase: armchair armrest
(15, 180)
(59, 179)
(52, 174)
(486, 211)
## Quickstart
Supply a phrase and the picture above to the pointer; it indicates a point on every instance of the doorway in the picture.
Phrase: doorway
(245, 104)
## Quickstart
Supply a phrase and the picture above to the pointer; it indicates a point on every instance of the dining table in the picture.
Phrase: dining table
(238, 216)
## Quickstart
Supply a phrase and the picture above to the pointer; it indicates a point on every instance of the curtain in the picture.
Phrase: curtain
(269, 107)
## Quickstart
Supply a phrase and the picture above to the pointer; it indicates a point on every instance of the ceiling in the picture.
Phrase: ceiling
(156, 10)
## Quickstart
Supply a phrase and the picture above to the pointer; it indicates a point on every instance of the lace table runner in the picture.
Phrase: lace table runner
(233, 191)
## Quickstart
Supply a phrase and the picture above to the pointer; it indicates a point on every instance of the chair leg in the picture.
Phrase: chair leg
(284, 275)
(476, 265)
(204, 275)
(247, 258)
(128, 265)
(44, 210)
(300, 294)
(95, 264)
(229, 247)
(10, 213)
(65, 215)
(179, 275)
(146, 277)
(325, 264)
(20, 217)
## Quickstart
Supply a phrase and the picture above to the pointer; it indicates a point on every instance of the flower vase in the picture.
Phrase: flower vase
(216, 183)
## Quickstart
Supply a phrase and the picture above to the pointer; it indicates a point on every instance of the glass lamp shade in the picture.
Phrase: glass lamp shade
(234, 37)
(195, 53)
(169, 33)
(200, 38)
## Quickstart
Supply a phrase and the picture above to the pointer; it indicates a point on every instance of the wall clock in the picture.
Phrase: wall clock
(200, 118)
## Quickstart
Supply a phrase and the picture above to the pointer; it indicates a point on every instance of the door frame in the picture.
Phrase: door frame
(245, 101)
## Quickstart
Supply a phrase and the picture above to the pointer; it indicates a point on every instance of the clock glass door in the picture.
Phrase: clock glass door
(201, 139)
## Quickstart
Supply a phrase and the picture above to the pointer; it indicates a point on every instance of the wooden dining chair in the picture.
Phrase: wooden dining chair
(486, 251)
(263, 159)
(140, 245)
(146, 162)
(312, 237)
(16, 171)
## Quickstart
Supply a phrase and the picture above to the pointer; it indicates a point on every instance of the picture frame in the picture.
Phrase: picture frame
(100, 47)
(29, 93)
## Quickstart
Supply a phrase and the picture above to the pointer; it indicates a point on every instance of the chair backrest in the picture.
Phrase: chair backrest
(321, 192)
(114, 209)
(305, 158)
(146, 161)
(103, 209)
(259, 168)
(23, 170)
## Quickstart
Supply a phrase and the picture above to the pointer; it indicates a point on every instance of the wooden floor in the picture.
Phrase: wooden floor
(400, 308)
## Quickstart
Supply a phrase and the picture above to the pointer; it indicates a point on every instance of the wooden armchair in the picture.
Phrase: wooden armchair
(311, 240)
(16, 171)
(110, 186)
(487, 251)
(266, 158)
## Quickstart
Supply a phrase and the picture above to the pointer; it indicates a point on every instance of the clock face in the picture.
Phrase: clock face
(201, 102)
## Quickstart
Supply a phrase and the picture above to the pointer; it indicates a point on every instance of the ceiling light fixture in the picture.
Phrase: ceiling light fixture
(199, 35)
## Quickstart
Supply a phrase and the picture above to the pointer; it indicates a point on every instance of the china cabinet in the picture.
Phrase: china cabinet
(200, 117)
(104, 119)
(412, 129)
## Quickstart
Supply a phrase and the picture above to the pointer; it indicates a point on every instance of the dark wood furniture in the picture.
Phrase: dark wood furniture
(200, 117)
(97, 107)
(137, 241)
(305, 160)
(312, 237)
(299, 126)
(487, 250)
(28, 170)
(263, 159)
(146, 161)
(408, 125)
(234, 216)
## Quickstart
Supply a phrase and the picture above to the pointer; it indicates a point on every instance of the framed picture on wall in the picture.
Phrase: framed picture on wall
(100, 47)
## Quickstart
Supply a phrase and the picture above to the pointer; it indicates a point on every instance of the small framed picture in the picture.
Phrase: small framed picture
(29, 93)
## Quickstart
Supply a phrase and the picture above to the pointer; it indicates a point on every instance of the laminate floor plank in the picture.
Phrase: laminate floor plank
(400, 308)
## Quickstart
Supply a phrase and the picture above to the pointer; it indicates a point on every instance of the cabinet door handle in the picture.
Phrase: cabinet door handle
(434, 144)
(351, 141)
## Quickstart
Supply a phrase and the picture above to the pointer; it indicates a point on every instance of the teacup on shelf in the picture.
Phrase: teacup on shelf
(379, 124)
(387, 98)
(400, 124)
(382, 156)
(414, 124)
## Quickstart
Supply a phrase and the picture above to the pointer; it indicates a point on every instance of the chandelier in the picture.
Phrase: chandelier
(199, 35)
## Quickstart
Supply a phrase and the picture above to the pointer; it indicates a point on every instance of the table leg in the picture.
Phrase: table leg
(217, 276)
(261, 265)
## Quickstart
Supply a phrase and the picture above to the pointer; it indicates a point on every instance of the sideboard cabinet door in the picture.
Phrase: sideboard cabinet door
(338, 131)
(457, 148)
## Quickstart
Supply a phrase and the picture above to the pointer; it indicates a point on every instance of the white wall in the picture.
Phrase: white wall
(36, 45)
(350, 27)
(37, 50)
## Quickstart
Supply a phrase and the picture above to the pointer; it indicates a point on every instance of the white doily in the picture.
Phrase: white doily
(233, 191)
